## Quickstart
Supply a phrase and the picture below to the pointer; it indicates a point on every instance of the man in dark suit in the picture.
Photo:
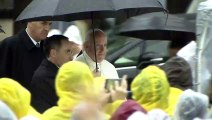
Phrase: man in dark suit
(21, 54)
(58, 50)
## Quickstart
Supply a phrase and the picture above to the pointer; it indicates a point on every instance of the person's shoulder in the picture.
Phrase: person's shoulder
(55, 113)
(39, 73)
(175, 91)
(108, 63)
(80, 58)
(51, 112)
(12, 40)
(44, 71)
(38, 79)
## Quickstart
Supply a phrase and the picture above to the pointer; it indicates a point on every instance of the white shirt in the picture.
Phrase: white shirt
(34, 42)
(107, 69)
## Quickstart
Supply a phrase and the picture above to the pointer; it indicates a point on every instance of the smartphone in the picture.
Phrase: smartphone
(110, 83)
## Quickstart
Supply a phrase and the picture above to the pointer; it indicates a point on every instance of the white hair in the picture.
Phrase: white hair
(96, 31)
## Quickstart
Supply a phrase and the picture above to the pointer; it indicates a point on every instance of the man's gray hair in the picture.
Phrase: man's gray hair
(97, 32)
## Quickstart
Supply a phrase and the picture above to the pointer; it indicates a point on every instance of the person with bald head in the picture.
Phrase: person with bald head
(22, 53)
(104, 68)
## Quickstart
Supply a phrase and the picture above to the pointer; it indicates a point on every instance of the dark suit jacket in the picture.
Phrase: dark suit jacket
(19, 58)
(43, 86)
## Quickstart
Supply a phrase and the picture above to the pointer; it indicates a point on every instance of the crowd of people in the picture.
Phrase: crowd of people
(40, 79)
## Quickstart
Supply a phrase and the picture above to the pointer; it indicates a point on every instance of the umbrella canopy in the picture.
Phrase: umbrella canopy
(69, 10)
(1, 30)
(189, 16)
(156, 26)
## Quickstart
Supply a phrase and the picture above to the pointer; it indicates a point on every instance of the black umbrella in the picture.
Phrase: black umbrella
(1, 30)
(191, 17)
(156, 26)
(69, 10)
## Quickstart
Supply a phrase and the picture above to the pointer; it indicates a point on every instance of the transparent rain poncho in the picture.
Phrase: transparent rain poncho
(191, 105)
(158, 114)
(204, 43)
(6, 113)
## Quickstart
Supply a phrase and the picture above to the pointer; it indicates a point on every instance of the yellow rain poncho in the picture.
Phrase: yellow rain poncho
(111, 108)
(173, 99)
(74, 84)
(99, 83)
(150, 88)
(17, 98)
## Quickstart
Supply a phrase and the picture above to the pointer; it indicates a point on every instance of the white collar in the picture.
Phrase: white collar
(34, 42)
(90, 62)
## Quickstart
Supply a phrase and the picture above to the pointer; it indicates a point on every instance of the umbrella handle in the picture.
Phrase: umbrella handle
(94, 41)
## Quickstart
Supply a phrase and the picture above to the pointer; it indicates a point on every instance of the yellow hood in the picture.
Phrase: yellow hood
(15, 96)
(150, 88)
(74, 83)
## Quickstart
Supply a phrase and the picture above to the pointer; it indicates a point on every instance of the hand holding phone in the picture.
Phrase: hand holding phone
(111, 83)
(117, 88)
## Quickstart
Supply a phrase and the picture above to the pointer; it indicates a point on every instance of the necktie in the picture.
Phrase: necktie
(37, 45)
